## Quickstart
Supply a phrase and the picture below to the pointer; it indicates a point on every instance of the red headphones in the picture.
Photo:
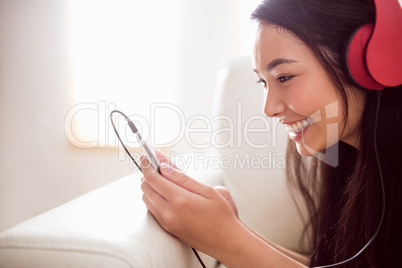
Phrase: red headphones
(374, 56)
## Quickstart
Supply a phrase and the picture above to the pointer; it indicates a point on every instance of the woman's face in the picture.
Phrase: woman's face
(301, 95)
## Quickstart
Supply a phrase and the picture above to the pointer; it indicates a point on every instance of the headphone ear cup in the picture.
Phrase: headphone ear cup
(384, 52)
(356, 58)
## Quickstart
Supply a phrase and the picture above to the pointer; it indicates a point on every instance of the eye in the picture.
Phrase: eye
(283, 79)
(260, 81)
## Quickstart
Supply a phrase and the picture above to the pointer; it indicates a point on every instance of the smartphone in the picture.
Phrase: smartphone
(147, 151)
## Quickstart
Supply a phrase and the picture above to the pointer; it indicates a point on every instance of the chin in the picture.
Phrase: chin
(311, 147)
(303, 151)
(328, 154)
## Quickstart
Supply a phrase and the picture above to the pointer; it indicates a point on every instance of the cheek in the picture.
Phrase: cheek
(317, 138)
(311, 104)
(310, 100)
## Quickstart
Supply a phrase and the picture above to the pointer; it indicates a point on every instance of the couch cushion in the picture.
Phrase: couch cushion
(109, 227)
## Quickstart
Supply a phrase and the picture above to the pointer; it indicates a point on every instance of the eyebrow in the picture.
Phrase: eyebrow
(273, 64)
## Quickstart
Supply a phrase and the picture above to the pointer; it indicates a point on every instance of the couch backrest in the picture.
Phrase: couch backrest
(252, 152)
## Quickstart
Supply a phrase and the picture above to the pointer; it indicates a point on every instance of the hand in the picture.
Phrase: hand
(197, 214)
(224, 192)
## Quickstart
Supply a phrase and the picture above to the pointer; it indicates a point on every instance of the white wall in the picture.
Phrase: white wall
(209, 31)
(39, 169)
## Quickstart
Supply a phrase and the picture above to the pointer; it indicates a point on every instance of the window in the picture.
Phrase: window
(154, 60)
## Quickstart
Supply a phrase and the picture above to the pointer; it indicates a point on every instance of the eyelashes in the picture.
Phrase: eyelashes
(281, 79)
(262, 82)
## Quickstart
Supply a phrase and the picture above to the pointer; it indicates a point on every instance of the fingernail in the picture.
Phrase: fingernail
(166, 168)
(143, 160)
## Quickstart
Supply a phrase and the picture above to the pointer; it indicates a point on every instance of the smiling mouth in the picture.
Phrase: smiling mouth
(296, 127)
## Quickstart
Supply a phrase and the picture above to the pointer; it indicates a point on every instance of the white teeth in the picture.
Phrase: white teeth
(298, 126)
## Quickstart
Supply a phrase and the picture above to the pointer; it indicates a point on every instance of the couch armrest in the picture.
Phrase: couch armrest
(108, 227)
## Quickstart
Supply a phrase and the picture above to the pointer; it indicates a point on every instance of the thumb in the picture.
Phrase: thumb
(184, 181)
(164, 159)
(224, 192)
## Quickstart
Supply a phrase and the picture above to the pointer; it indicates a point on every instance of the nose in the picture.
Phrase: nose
(274, 105)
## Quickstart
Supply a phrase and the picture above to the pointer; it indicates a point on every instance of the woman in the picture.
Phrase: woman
(298, 57)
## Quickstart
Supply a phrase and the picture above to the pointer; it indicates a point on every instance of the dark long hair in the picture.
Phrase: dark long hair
(345, 202)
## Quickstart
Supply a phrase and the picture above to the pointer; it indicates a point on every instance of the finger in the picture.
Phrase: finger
(182, 180)
(223, 192)
(146, 166)
(164, 159)
(151, 208)
(165, 188)
(148, 204)
(153, 201)
(153, 196)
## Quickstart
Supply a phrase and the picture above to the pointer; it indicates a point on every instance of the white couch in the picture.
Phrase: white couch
(110, 227)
